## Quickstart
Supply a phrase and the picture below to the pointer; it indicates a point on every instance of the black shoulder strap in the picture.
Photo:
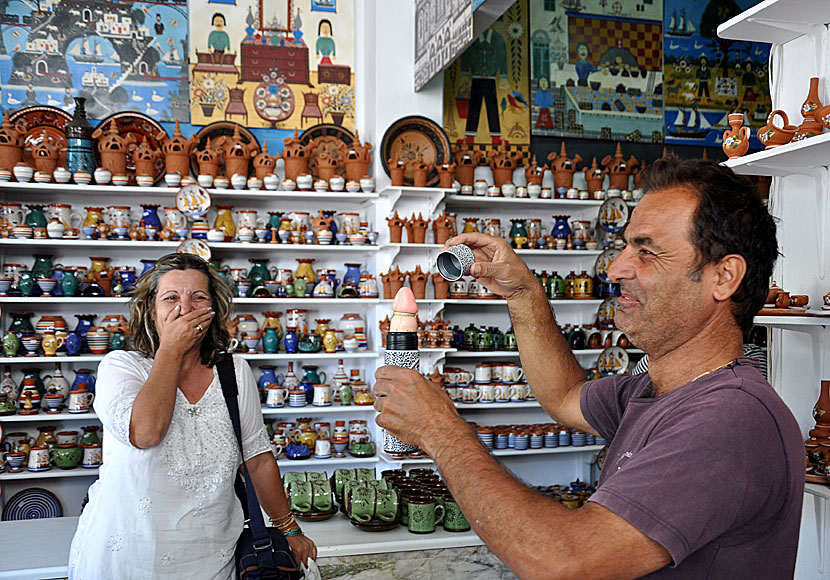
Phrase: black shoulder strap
(262, 541)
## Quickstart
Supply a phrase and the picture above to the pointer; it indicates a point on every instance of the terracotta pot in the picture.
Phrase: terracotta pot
(736, 138)
(502, 175)
(394, 285)
(396, 174)
(419, 177)
(465, 174)
(11, 144)
(176, 151)
(295, 166)
(773, 136)
(419, 233)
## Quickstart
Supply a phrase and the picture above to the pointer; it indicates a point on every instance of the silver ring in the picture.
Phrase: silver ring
(199, 328)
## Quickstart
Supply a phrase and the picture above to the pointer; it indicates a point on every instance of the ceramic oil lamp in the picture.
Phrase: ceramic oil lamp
(594, 176)
(397, 170)
(416, 229)
(420, 171)
(534, 173)
(176, 151)
(502, 163)
(466, 163)
(446, 173)
(736, 138)
(619, 169)
(418, 282)
(393, 280)
(264, 163)
(396, 225)
(357, 159)
(295, 155)
(209, 158)
(11, 144)
(45, 154)
(113, 148)
(238, 154)
(329, 163)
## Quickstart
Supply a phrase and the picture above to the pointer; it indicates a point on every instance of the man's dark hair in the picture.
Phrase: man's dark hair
(730, 219)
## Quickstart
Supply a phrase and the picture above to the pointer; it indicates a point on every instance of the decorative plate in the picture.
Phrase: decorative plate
(315, 516)
(143, 127)
(36, 121)
(603, 262)
(32, 504)
(196, 247)
(613, 214)
(273, 100)
(612, 361)
(193, 201)
(606, 312)
(213, 132)
(327, 137)
(408, 137)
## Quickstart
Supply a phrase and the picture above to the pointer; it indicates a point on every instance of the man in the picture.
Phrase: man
(704, 475)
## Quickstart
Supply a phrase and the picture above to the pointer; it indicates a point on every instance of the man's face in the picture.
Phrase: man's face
(582, 51)
(661, 306)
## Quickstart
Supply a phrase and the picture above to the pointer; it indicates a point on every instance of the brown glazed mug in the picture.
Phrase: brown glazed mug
(782, 300)
(799, 300)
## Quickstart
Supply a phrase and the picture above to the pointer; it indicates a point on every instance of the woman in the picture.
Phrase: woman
(325, 43)
(164, 504)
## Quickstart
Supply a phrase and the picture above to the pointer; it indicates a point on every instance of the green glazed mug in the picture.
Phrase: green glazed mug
(454, 518)
(386, 505)
(321, 496)
(341, 476)
(424, 514)
(67, 455)
(316, 476)
(291, 477)
(364, 473)
(362, 503)
(301, 496)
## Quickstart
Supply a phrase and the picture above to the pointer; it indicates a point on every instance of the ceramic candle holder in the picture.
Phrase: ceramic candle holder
(455, 262)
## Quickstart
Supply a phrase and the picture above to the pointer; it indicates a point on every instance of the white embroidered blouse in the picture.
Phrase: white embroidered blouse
(169, 511)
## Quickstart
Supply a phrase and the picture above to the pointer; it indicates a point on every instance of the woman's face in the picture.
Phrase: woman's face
(325, 29)
(187, 289)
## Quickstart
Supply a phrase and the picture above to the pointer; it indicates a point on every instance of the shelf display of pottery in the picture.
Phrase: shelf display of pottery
(817, 446)
(533, 436)
(307, 437)
(781, 303)
(300, 334)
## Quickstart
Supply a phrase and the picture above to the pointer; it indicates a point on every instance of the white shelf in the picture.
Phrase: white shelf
(337, 461)
(515, 353)
(162, 190)
(66, 299)
(527, 252)
(54, 473)
(488, 406)
(309, 355)
(221, 246)
(776, 21)
(46, 417)
(507, 453)
(413, 246)
(122, 244)
(295, 248)
(784, 321)
(492, 301)
(818, 490)
(294, 301)
(312, 410)
(414, 191)
(794, 157)
(474, 200)
(51, 359)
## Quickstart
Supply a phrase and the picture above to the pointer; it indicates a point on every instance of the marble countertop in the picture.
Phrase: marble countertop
(47, 557)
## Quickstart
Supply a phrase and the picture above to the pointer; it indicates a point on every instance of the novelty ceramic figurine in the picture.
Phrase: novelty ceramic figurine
(295, 155)
(11, 144)
(502, 163)
(619, 169)
(264, 164)
(176, 151)
(238, 154)
(466, 163)
(113, 149)
(357, 159)
(563, 169)
(534, 173)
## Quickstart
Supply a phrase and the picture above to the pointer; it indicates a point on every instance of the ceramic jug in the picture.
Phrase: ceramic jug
(736, 138)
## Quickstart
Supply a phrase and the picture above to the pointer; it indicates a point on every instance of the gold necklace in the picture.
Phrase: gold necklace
(709, 372)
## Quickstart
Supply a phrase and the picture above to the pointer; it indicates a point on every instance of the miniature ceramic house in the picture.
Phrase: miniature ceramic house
(113, 148)
(176, 151)
(466, 163)
(357, 159)
(295, 155)
(534, 173)
(144, 157)
(11, 144)
(238, 154)
(563, 168)
(503, 163)
(619, 169)
(208, 159)
(264, 164)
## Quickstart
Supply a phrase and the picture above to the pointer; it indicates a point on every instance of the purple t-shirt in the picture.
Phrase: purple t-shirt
(713, 471)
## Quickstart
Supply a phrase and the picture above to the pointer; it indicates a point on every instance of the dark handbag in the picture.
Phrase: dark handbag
(261, 553)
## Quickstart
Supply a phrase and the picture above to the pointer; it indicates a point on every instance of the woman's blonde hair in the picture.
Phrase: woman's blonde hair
(143, 335)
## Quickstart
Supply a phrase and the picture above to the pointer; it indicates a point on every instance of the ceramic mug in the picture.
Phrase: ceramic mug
(301, 496)
(275, 396)
(291, 477)
(454, 518)
(496, 372)
(79, 402)
(322, 448)
(782, 300)
(386, 504)
(92, 456)
(502, 392)
(483, 373)
(512, 373)
(341, 476)
(470, 394)
(486, 393)
(518, 393)
(454, 262)
(361, 500)
(66, 437)
(424, 514)
(39, 459)
(321, 496)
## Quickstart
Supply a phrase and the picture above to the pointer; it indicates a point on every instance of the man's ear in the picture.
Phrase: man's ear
(729, 273)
